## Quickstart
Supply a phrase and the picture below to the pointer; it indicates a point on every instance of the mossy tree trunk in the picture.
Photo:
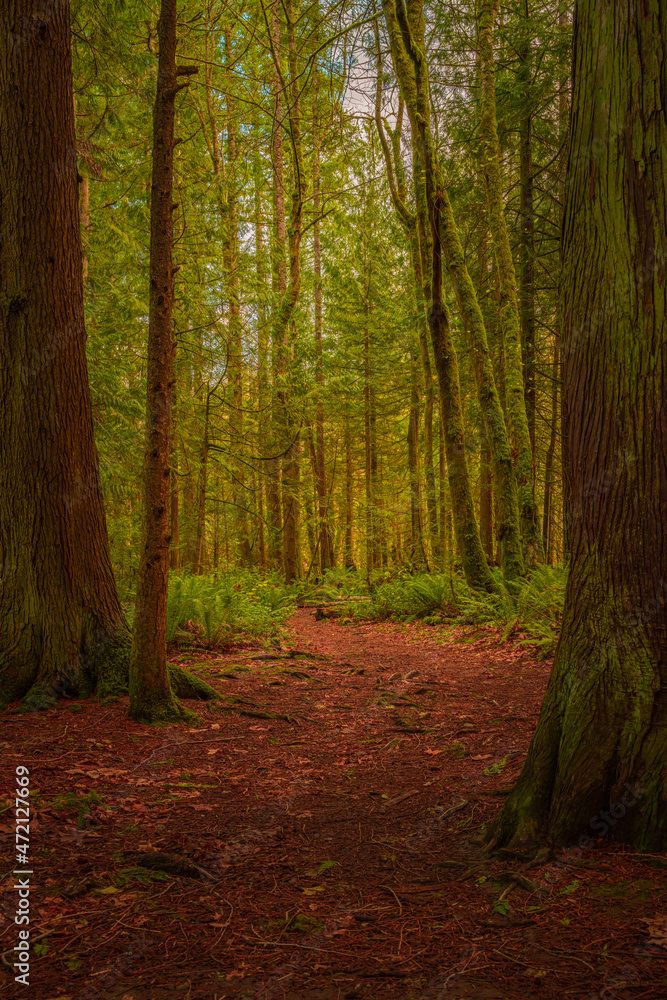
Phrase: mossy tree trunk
(278, 288)
(527, 226)
(60, 616)
(349, 497)
(509, 306)
(151, 697)
(174, 526)
(261, 427)
(598, 761)
(405, 25)
(324, 537)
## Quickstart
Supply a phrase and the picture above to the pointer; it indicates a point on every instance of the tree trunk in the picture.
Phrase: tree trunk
(262, 352)
(325, 554)
(199, 561)
(547, 521)
(151, 697)
(406, 31)
(368, 450)
(598, 759)
(279, 288)
(509, 307)
(563, 128)
(283, 314)
(349, 498)
(527, 230)
(235, 331)
(60, 617)
(486, 497)
(174, 553)
(418, 560)
(443, 521)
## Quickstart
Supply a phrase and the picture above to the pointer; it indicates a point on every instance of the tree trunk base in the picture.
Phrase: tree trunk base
(107, 675)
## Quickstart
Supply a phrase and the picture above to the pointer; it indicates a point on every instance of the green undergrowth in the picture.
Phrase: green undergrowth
(335, 584)
(532, 613)
(214, 613)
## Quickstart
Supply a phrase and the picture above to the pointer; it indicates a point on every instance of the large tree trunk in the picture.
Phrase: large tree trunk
(598, 760)
(151, 697)
(59, 610)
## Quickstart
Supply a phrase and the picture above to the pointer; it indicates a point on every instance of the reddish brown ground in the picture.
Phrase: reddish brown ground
(356, 821)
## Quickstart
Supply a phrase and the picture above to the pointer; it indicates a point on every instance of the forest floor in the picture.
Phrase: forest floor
(336, 801)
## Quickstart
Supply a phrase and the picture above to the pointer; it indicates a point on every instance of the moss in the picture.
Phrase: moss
(187, 685)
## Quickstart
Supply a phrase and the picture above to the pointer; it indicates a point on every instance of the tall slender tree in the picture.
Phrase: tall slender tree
(151, 697)
(509, 305)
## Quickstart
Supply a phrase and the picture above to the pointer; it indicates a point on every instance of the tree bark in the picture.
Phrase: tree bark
(563, 128)
(174, 528)
(418, 560)
(547, 521)
(151, 697)
(199, 561)
(486, 497)
(349, 498)
(527, 228)
(60, 617)
(368, 450)
(598, 759)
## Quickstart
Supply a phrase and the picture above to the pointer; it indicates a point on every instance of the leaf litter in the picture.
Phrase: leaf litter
(331, 850)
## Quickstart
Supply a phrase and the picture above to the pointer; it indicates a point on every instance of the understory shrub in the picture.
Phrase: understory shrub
(533, 609)
(242, 606)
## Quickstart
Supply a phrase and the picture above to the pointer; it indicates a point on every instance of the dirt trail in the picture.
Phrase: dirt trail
(337, 800)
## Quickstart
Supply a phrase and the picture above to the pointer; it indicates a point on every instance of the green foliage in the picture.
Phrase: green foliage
(337, 583)
(243, 606)
(502, 907)
(534, 610)
(326, 865)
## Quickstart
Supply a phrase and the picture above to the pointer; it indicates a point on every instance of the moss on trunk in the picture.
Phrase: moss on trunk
(597, 765)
